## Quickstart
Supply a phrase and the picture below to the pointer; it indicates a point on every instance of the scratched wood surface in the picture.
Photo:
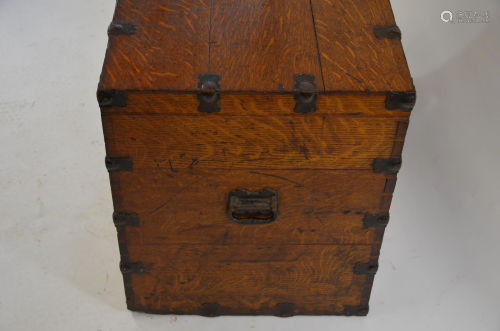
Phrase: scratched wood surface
(352, 58)
(255, 45)
(248, 279)
(189, 206)
(168, 51)
(259, 45)
(358, 105)
(246, 142)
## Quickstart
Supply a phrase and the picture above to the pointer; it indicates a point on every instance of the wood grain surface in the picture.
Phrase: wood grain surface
(189, 206)
(352, 58)
(343, 104)
(168, 51)
(248, 279)
(256, 46)
(246, 142)
(259, 45)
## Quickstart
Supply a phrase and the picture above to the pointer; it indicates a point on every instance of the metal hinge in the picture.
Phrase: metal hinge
(209, 93)
(380, 220)
(132, 268)
(365, 269)
(305, 93)
(124, 219)
(112, 98)
(119, 163)
(388, 32)
(388, 166)
(404, 101)
(116, 28)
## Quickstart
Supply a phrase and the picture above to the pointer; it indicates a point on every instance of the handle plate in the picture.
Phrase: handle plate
(253, 208)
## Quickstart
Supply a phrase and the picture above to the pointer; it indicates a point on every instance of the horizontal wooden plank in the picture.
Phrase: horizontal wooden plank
(245, 142)
(248, 279)
(343, 104)
(189, 206)
(352, 57)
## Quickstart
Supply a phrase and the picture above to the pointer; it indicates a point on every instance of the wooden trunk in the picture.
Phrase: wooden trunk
(253, 148)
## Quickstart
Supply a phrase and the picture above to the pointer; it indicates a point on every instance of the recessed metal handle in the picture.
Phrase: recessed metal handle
(247, 207)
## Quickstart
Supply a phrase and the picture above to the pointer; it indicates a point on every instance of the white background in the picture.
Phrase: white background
(58, 250)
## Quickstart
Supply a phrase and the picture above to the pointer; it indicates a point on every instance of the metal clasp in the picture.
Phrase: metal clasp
(305, 93)
(209, 93)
